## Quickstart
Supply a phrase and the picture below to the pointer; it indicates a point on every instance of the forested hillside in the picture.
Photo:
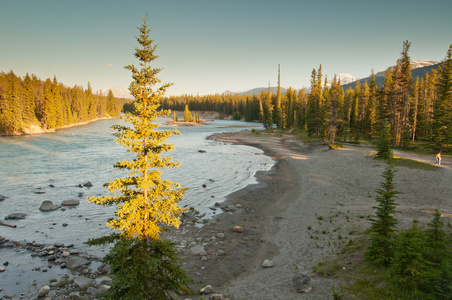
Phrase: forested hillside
(417, 109)
(30, 104)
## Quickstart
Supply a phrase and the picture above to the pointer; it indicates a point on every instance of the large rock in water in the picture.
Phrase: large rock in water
(15, 216)
(2, 197)
(75, 262)
(70, 202)
(43, 291)
(83, 282)
(47, 205)
(301, 283)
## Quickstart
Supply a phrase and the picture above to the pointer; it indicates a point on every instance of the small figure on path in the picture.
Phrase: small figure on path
(438, 159)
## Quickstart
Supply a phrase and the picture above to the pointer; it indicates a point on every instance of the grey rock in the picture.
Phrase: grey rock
(104, 288)
(15, 216)
(43, 291)
(220, 253)
(76, 262)
(47, 205)
(70, 202)
(83, 282)
(9, 296)
(88, 184)
(51, 257)
(104, 280)
(2, 269)
(301, 283)
(216, 297)
(75, 295)
(198, 250)
(220, 235)
(268, 264)
(208, 289)
(2, 197)
(93, 291)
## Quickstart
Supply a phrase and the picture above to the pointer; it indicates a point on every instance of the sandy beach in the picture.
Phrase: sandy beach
(302, 211)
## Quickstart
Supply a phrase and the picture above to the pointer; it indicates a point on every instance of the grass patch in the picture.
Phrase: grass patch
(336, 146)
(413, 164)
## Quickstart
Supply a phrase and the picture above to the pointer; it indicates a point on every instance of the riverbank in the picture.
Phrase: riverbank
(305, 210)
(32, 129)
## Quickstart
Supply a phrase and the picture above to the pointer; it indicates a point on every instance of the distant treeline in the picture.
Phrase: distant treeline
(416, 109)
(30, 101)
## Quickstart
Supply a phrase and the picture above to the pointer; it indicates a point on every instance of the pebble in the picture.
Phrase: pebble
(238, 229)
(2, 269)
(268, 264)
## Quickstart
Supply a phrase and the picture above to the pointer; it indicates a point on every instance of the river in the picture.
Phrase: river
(51, 167)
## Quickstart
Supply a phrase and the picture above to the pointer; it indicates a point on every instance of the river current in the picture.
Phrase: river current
(53, 166)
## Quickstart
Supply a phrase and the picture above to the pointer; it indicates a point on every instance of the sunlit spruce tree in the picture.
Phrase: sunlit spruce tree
(143, 266)
(442, 113)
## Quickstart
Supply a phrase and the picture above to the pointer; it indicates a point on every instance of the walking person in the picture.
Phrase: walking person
(438, 159)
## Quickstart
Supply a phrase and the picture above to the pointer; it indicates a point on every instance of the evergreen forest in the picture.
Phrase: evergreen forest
(418, 110)
(30, 102)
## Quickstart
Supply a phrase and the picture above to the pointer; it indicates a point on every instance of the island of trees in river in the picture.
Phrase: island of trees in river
(31, 105)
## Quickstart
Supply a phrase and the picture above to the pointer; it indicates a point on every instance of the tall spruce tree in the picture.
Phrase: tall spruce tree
(384, 142)
(442, 113)
(143, 266)
(384, 221)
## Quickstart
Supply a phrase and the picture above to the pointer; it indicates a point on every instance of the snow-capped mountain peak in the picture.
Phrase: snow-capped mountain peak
(118, 92)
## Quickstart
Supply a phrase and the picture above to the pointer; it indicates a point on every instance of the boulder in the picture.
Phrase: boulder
(104, 288)
(83, 282)
(76, 262)
(198, 250)
(15, 216)
(47, 205)
(70, 202)
(104, 280)
(2, 197)
(2, 269)
(301, 283)
(88, 184)
(43, 291)
(93, 291)
(208, 289)
(75, 295)
(217, 297)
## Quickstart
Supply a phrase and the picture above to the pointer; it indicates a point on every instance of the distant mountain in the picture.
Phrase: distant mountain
(257, 91)
(418, 69)
(415, 64)
(118, 92)
(344, 77)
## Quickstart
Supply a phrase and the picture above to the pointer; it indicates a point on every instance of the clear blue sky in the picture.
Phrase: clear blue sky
(210, 46)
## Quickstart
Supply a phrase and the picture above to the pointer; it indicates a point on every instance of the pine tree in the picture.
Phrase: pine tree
(187, 114)
(268, 108)
(383, 222)
(143, 264)
(384, 142)
(442, 113)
